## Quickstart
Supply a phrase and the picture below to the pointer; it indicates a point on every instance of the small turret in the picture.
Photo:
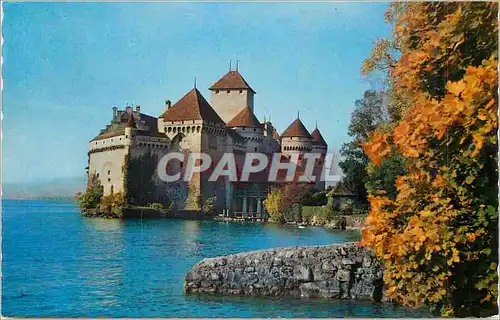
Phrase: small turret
(129, 129)
(296, 138)
(130, 122)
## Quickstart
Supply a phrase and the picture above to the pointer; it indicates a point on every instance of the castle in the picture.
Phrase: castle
(125, 154)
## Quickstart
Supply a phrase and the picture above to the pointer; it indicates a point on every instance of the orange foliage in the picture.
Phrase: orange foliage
(444, 218)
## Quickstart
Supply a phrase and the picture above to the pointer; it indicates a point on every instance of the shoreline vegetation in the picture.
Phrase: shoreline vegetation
(293, 204)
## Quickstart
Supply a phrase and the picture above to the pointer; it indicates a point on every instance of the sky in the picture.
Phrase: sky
(65, 65)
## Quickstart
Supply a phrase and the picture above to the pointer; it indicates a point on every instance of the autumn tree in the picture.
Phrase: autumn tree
(282, 199)
(438, 236)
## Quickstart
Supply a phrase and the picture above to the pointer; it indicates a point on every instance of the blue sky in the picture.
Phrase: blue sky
(67, 64)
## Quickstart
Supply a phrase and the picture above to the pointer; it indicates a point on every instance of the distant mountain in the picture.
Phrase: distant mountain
(58, 189)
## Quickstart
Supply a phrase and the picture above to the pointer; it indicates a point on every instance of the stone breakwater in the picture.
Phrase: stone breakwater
(343, 271)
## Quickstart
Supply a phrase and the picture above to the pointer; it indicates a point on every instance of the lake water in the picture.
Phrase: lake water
(58, 263)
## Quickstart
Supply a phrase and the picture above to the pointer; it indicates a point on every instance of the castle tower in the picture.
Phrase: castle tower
(296, 138)
(130, 126)
(230, 95)
(248, 126)
(193, 126)
(319, 146)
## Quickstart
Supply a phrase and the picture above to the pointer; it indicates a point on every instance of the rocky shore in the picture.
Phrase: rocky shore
(342, 271)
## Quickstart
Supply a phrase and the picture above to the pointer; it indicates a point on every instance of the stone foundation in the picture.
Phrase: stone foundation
(344, 271)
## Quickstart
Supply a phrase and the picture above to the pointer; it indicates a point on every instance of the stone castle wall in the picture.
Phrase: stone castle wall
(106, 159)
(344, 271)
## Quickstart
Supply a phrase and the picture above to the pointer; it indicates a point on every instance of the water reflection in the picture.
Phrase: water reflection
(191, 235)
(103, 270)
(106, 225)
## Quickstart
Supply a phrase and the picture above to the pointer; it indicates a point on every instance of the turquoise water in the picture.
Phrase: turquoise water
(58, 263)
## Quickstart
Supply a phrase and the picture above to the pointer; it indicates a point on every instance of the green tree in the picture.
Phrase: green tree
(369, 113)
(383, 177)
(92, 196)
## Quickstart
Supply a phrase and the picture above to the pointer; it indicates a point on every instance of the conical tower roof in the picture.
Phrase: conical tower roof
(318, 138)
(245, 118)
(296, 129)
(192, 106)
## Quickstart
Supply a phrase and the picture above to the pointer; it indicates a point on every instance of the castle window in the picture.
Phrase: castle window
(216, 91)
(188, 129)
(255, 149)
(126, 136)
(198, 129)
(109, 179)
(193, 121)
(109, 171)
(228, 91)
(254, 129)
(97, 175)
(181, 164)
(241, 91)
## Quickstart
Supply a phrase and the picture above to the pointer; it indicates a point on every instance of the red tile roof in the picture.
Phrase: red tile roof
(192, 106)
(231, 80)
(296, 129)
(245, 118)
(109, 135)
(318, 138)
